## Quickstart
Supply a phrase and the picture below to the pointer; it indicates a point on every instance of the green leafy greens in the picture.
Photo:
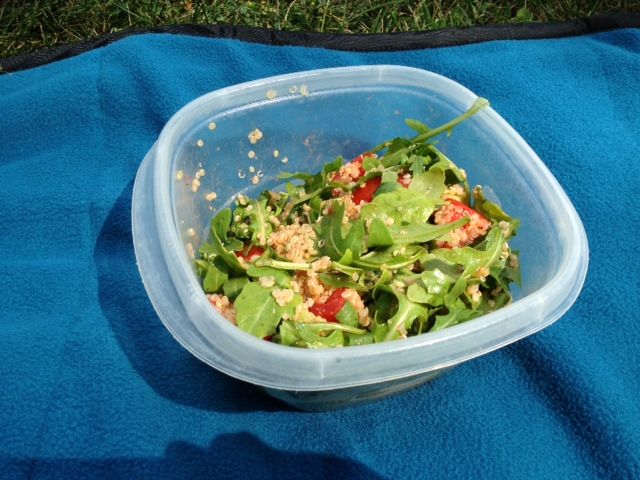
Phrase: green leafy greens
(390, 245)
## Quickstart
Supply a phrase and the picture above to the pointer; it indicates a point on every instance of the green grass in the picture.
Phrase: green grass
(26, 26)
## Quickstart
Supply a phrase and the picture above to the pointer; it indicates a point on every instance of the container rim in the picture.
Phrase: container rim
(570, 275)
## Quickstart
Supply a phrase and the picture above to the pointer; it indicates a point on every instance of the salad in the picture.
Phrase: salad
(391, 244)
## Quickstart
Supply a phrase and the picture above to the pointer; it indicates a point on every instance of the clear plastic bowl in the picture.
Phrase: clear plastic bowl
(310, 118)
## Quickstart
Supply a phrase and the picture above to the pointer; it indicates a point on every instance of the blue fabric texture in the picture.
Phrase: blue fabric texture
(93, 386)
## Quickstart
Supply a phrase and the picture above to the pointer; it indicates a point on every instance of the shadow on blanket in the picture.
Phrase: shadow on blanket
(238, 455)
(168, 368)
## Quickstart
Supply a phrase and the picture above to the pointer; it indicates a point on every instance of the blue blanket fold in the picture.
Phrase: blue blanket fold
(93, 386)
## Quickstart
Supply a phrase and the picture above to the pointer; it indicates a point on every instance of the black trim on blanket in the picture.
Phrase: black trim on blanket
(375, 42)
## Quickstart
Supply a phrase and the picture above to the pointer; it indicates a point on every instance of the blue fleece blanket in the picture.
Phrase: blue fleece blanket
(93, 386)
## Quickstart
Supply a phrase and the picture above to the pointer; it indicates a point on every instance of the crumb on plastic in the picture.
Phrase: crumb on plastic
(255, 136)
(251, 154)
(200, 143)
(255, 179)
(304, 90)
(179, 175)
(211, 196)
(212, 126)
(276, 153)
(285, 160)
(271, 94)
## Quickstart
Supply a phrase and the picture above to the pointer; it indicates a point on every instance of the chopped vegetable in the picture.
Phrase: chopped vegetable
(389, 245)
(330, 308)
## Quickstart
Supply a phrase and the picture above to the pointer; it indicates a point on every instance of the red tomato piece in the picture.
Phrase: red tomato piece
(331, 307)
(250, 254)
(365, 192)
(476, 228)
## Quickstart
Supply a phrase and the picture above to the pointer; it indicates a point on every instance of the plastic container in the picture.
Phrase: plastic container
(310, 118)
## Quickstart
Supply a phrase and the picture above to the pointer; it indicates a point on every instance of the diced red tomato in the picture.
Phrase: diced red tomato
(365, 192)
(329, 309)
(268, 338)
(477, 226)
(250, 254)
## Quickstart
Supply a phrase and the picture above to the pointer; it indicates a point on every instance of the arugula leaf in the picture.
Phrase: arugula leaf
(314, 183)
(260, 226)
(379, 234)
(384, 278)
(405, 315)
(446, 164)
(422, 233)
(332, 242)
(429, 183)
(389, 182)
(281, 277)
(364, 339)
(493, 211)
(340, 280)
(346, 269)
(436, 281)
(379, 331)
(370, 162)
(416, 125)
(305, 177)
(315, 335)
(299, 197)
(234, 286)
(392, 258)
(220, 224)
(401, 206)
(397, 152)
(417, 164)
(217, 275)
(458, 313)
(219, 228)
(472, 259)
(282, 264)
(201, 265)
(332, 167)
(303, 335)
(478, 105)
(287, 334)
(257, 311)
(416, 293)
(348, 315)
(315, 205)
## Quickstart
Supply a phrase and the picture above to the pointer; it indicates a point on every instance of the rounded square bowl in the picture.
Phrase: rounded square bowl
(309, 118)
